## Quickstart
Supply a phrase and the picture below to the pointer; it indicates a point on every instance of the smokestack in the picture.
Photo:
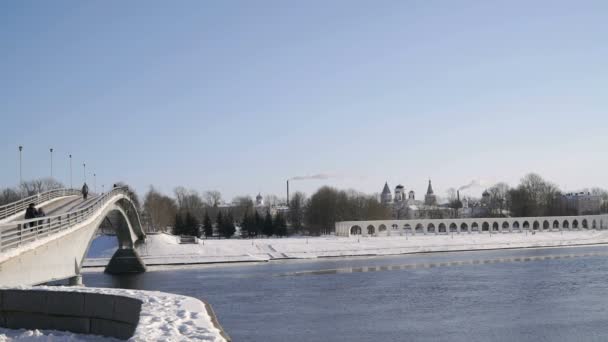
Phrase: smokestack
(288, 193)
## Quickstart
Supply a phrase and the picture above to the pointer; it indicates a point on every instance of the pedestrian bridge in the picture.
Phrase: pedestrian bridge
(470, 225)
(53, 247)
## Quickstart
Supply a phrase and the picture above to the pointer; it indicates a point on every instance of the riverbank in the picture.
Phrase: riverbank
(58, 313)
(164, 249)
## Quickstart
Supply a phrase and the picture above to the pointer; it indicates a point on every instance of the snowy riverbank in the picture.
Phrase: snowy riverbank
(164, 249)
(163, 317)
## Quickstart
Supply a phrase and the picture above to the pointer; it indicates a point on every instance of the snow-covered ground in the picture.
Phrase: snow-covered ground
(163, 249)
(164, 317)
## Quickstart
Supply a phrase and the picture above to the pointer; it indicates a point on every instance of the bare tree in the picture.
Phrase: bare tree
(159, 209)
(39, 185)
(271, 200)
(213, 198)
(8, 195)
(189, 201)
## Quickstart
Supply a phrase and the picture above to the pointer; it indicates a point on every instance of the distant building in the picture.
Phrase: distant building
(430, 199)
(581, 203)
(407, 207)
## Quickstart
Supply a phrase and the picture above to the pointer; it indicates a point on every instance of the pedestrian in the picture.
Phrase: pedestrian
(31, 213)
(85, 191)
(40, 213)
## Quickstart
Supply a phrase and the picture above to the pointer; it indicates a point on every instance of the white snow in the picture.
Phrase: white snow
(164, 249)
(8, 335)
(164, 317)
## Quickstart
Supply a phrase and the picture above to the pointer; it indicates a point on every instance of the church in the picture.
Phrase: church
(404, 205)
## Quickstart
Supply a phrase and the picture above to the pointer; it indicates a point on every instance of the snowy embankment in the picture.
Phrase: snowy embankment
(163, 317)
(163, 249)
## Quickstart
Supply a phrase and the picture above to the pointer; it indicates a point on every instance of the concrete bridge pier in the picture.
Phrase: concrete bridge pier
(75, 280)
(125, 261)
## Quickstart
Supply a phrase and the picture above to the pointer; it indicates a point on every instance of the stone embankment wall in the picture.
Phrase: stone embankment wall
(83, 313)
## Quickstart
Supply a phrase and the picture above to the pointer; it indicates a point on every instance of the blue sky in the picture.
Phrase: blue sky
(240, 95)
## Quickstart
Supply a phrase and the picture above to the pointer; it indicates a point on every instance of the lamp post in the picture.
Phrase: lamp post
(84, 171)
(95, 182)
(51, 149)
(103, 188)
(20, 172)
(71, 186)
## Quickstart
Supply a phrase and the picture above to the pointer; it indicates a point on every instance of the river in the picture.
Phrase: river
(557, 294)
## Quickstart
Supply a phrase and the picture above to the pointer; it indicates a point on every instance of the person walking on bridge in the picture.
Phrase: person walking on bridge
(85, 191)
(31, 213)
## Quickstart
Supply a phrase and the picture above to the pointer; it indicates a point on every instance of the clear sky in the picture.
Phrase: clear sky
(240, 95)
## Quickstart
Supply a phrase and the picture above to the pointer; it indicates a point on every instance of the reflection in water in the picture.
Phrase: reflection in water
(439, 264)
(129, 281)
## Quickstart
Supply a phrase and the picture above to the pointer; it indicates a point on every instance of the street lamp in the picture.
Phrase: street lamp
(71, 186)
(84, 171)
(95, 182)
(20, 173)
(51, 149)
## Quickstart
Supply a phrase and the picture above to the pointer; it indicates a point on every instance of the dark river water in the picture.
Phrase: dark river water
(511, 295)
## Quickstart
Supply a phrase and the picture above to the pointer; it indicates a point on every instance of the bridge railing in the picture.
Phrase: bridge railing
(18, 233)
(14, 208)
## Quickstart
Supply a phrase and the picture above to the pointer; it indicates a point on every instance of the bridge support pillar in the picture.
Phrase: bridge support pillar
(125, 261)
(75, 280)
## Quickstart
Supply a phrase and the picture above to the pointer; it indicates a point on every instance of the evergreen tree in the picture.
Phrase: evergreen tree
(178, 226)
(256, 224)
(219, 222)
(227, 229)
(245, 225)
(268, 228)
(280, 225)
(207, 225)
(190, 225)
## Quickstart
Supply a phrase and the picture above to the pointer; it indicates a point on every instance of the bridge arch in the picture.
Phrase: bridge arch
(464, 227)
(430, 228)
(60, 256)
(355, 230)
(485, 227)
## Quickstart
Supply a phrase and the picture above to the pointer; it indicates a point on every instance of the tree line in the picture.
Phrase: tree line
(28, 188)
(192, 213)
(533, 196)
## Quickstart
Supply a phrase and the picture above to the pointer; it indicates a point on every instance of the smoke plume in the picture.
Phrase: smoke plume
(475, 183)
(319, 176)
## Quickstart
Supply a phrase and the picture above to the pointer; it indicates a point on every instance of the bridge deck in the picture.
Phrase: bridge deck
(60, 206)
